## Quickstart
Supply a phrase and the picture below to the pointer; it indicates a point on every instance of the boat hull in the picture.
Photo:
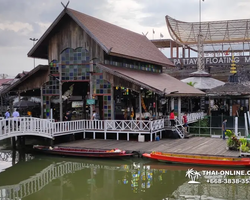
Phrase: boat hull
(80, 152)
(199, 160)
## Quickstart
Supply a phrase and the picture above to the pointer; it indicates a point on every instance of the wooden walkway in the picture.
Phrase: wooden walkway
(194, 145)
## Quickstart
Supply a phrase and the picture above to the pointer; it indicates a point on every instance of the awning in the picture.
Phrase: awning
(159, 83)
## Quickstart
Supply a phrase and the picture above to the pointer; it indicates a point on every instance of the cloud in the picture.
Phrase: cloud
(24, 19)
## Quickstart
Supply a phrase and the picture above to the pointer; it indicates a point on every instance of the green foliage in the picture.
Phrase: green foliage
(191, 83)
(229, 133)
(233, 142)
(201, 124)
(244, 147)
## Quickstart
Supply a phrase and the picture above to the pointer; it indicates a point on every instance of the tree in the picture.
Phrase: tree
(191, 83)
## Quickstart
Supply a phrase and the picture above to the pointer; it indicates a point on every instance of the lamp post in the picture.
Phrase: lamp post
(34, 40)
(200, 63)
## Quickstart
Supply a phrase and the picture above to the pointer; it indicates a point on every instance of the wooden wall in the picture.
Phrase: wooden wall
(70, 35)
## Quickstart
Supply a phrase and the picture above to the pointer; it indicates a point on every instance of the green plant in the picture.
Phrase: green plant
(229, 142)
(244, 147)
(229, 133)
(191, 83)
(236, 142)
(200, 126)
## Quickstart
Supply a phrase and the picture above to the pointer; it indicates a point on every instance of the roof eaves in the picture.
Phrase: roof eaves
(115, 73)
(7, 89)
(39, 42)
(143, 60)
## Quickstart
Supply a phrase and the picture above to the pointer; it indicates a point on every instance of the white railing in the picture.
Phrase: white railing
(25, 125)
(1, 118)
(47, 128)
(157, 125)
(191, 117)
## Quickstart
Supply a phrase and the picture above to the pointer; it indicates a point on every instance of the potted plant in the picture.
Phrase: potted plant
(244, 145)
(232, 142)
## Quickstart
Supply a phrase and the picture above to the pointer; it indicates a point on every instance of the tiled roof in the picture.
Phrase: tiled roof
(113, 39)
(158, 81)
(122, 41)
(20, 75)
(4, 81)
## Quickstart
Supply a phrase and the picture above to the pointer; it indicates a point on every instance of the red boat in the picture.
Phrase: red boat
(199, 159)
(81, 152)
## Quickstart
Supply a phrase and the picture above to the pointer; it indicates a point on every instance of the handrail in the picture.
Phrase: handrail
(48, 128)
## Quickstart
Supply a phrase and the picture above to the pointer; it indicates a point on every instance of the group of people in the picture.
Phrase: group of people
(184, 120)
(15, 115)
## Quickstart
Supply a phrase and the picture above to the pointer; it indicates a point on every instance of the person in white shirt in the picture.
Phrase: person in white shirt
(7, 115)
(15, 115)
(94, 115)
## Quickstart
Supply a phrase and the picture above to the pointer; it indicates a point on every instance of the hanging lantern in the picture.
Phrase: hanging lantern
(233, 66)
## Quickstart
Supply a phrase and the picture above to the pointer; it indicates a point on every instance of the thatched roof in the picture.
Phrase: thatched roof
(230, 89)
(202, 80)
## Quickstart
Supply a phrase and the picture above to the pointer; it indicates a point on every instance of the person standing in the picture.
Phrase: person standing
(68, 116)
(94, 116)
(184, 118)
(6, 115)
(224, 127)
(15, 116)
(172, 118)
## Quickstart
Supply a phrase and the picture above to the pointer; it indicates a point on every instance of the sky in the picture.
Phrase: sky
(21, 20)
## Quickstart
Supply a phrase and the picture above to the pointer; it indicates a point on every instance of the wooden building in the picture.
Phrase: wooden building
(89, 57)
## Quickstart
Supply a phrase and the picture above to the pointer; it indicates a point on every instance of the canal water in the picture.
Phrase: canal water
(36, 177)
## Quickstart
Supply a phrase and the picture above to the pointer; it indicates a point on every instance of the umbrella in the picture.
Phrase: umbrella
(24, 104)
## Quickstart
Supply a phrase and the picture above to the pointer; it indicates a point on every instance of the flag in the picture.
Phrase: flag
(153, 31)
(161, 35)
(227, 51)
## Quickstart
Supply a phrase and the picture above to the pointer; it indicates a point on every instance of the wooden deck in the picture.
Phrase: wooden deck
(194, 145)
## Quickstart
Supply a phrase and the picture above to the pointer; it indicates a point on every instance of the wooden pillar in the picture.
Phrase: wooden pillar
(41, 94)
(13, 141)
(156, 110)
(140, 109)
(60, 94)
(112, 103)
(248, 105)
(13, 157)
(183, 52)
(177, 50)
(172, 103)
(209, 106)
(2, 110)
(179, 109)
(91, 86)
(171, 49)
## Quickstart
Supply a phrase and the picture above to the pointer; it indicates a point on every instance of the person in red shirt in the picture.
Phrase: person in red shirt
(172, 118)
(184, 118)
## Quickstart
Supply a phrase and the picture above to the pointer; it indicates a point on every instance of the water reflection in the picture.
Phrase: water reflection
(86, 179)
